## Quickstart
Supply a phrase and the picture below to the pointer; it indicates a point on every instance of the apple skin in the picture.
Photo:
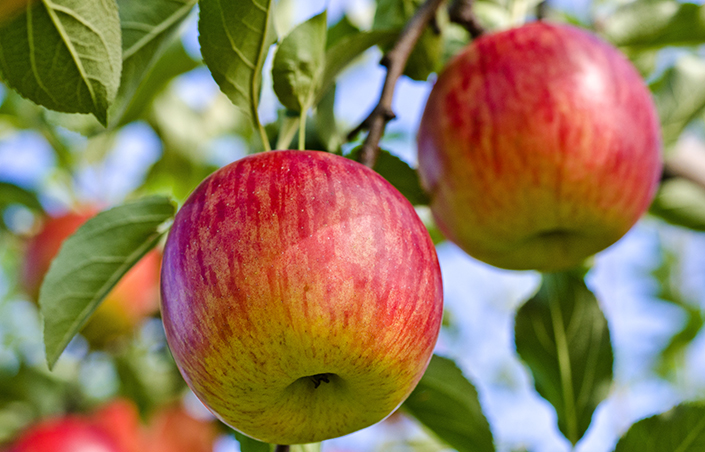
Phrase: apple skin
(288, 268)
(135, 297)
(539, 147)
(66, 434)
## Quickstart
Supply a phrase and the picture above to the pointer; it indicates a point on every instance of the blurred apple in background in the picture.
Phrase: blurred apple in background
(135, 297)
(173, 429)
(66, 434)
(120, 420)
(116, 427)
(539, 147)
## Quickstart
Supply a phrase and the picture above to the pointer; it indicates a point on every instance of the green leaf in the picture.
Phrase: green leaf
(398, 173)
(344, 52)
(656, 24)
(428, 52)
(680, 202)
(248, 444)
(235, 36)
(681, 429)
(147, 30)
(298, 65)
(92, 261)
(669, 277)
(173, 62)
(326, 125)
(12, 194)
(340, 30)
(447, 403)
(65, 55)
(562, 335)
(680, 96)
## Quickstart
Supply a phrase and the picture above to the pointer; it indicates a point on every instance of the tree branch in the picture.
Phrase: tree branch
(460, 12)
(282, 448)
(541, 10)
(686, 160)
(395, 61)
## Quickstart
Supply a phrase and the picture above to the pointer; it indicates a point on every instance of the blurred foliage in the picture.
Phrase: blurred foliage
(669, 276)
(681, 429)
(681, 202)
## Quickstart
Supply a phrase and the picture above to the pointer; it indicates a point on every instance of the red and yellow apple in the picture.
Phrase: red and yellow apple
(539, 146)
(301, 296)
(135, 297)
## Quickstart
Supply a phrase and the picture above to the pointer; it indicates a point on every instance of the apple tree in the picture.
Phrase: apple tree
(294, 253)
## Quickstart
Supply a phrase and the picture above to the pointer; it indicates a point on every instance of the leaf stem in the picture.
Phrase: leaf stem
(302, 130)
(260, 127)
(552, 282)
(395, 61)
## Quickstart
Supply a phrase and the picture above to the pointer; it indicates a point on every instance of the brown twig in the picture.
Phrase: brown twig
(395, 61)
(460, 12)
(282, 448)
(541, 10)
(686, 160)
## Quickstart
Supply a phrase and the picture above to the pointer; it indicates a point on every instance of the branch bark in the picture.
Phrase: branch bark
(282, 448)
(395, 61)
(460, 12)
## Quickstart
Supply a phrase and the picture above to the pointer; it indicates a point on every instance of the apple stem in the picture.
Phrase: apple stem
(395, 61)
(282, 448)
(460, 12)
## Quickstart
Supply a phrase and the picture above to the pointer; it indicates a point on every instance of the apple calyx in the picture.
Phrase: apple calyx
(320, 378)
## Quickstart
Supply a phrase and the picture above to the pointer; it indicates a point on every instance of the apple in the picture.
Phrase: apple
(120, 420)
(539, 146)
(172, 429)
(301, 296)
(135, 297)
(65, 434)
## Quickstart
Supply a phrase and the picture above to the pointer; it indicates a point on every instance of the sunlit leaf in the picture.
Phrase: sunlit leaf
(92, 261)
(298, 65)
(65, 55)
(235, 36)
(657, 23)
(447, 403)
(562, 336)
(173, 62)
(147, 30)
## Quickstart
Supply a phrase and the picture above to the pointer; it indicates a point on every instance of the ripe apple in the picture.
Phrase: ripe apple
(135, 297)
(539, 146)
(66, 434)
(301, 296)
